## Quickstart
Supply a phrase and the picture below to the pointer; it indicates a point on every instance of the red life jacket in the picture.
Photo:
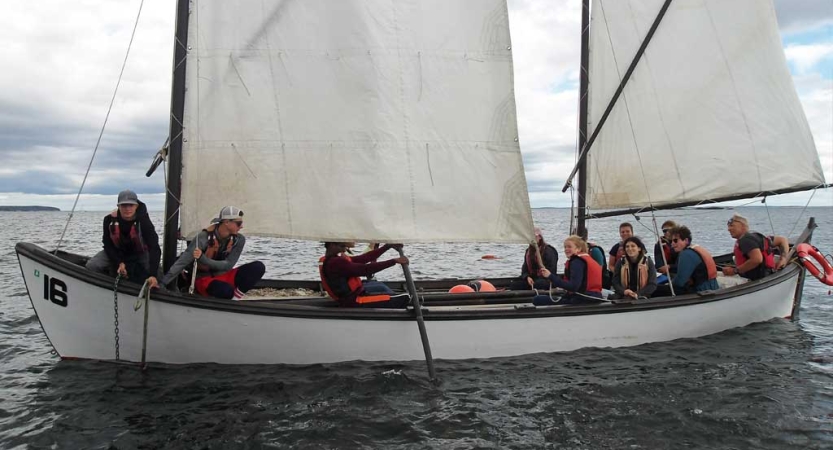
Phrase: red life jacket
(135, 235)
(711, 267)
(667, 251)
(620, 252)
(341, 289)
(593, 277)
(531, 262)
(766, 251)
(642, 269)
(212, 249)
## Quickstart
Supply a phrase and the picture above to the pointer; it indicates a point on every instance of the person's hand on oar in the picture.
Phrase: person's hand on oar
(122, 270)
(401, 260)
(152, 282)
(197, 253)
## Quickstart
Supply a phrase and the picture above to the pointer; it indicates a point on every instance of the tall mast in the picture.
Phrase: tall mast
(581, 227)
(174, 183)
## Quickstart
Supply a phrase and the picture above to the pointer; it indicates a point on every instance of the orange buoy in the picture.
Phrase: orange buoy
(482, 286)
(489, 257)
(460, 289)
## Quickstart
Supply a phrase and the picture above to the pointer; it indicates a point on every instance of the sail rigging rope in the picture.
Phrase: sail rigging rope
(802, 212)
(103, 126)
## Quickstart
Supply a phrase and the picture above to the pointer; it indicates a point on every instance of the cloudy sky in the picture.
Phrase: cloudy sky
(61, 60)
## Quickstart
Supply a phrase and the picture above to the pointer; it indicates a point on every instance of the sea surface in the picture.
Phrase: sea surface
(765, 386)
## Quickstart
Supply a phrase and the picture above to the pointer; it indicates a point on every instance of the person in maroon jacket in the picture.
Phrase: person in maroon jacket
(340, 276)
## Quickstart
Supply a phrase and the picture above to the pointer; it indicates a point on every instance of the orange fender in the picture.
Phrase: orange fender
(805, 251)
(482, 286)
(460, 289)
(489, 257)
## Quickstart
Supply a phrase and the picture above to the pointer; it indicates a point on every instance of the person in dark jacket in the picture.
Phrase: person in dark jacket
(530, 279)
(635, 275)
(131, 245)
(340, 276)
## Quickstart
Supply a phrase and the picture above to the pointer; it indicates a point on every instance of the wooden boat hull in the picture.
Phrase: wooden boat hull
(76, 310)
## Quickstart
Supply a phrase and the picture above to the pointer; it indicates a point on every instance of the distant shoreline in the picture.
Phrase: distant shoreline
(29, 208)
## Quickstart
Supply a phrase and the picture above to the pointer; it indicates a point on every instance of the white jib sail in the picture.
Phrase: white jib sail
(368, 120)
(709, 112)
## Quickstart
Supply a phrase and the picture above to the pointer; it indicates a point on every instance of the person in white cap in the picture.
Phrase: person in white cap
(216, 250)
(131, 245)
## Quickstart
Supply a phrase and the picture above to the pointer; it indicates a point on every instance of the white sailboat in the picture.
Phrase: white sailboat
(378, 121)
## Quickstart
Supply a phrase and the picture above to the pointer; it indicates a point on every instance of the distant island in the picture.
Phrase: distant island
(29, 208)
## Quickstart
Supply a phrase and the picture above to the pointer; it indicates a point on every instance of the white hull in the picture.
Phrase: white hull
(228, 332)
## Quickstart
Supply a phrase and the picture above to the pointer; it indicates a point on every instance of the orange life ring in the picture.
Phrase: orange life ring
(805, 250)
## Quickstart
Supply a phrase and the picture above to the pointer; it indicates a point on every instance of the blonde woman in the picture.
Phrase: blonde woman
(582, 276)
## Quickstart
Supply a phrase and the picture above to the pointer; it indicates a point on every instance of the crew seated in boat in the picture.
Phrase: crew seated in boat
(696, 270)
(635, 275)
(340, 276)
(216, 250)
(618, 250)
(664, 255)
(131, 245)
(755, 254)
(529, 278)
(582, 277)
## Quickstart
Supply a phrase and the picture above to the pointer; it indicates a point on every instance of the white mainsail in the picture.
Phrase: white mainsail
(369, 120)
(709, 112)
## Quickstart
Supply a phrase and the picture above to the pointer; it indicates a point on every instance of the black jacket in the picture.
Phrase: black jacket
(126, 253)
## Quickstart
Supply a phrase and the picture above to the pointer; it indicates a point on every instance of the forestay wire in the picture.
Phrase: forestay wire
(103, 126)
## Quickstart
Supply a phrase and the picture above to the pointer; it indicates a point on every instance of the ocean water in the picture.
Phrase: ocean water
(765, 386)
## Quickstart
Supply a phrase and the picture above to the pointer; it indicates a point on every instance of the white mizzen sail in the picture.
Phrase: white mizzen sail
(363, 120)
(711, 107)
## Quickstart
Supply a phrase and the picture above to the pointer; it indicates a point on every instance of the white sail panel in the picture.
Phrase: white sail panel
(362, 120)
(709, 112)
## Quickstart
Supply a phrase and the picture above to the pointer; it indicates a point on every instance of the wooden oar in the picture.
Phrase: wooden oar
(423, 333)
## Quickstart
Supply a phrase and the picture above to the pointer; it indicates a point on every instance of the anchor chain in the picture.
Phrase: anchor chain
(116, 312)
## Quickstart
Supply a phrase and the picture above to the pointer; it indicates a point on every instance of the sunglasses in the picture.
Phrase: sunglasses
(730, 222)
(675, 240)
(666, 230)
(239, 223)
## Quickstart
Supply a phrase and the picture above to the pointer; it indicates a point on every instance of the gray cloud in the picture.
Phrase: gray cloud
(54, 91)
(799, 15)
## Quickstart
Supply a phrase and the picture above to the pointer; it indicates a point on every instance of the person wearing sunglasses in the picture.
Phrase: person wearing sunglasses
(664, 255)
(217, 249)
(755, 254)
(696, 270)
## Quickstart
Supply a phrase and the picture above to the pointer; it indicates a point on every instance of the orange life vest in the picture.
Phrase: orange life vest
(135, 235)
(642, 269)
(711, 267)
(593, 277)
(341, 289)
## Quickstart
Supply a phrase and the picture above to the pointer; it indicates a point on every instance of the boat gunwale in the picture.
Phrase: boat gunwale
(286, 309)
